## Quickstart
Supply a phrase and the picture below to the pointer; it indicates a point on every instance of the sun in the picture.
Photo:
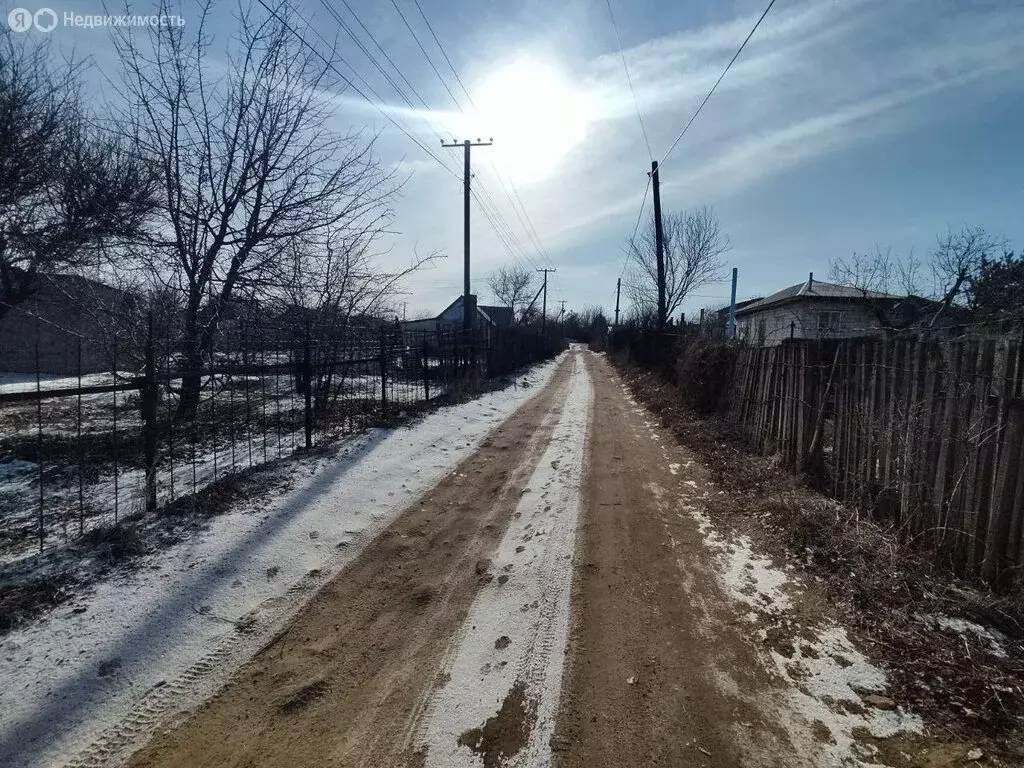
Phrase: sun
(535, 115)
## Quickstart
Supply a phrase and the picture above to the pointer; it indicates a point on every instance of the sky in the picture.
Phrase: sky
(843, 126)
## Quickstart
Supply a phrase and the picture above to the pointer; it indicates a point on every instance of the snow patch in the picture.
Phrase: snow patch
(995, 639)
(515, 634)
(831, 683)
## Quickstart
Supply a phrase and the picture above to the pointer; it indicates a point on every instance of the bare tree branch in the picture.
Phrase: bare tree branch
(513, 287)
(249, 167)
(694, 248)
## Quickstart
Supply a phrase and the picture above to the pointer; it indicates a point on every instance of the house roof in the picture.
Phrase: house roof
(813, 289)
(724, 311)
(500, 316)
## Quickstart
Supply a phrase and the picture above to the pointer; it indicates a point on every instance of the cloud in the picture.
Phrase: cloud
(407, 167)
(817, 78)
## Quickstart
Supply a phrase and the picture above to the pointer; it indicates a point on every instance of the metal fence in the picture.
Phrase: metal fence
(88, 450)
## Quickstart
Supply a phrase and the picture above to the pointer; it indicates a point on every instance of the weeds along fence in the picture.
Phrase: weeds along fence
(87, 450)
(927, 434)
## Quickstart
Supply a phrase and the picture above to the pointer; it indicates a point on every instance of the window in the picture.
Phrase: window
(830, 322)
(762, 329)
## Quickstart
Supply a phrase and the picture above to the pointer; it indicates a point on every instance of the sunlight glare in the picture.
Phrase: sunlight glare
(535, 116)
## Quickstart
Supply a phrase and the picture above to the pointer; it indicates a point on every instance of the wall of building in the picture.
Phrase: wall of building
(55, 324)
(801, 321)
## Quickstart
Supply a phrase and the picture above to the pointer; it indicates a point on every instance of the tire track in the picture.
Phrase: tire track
(504, 666)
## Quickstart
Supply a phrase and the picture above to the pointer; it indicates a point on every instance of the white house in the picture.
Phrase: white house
(812, 310)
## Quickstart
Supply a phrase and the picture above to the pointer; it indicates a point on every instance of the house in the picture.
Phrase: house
(814, 309)
(66, 316)
(450, 318)
(721, 316)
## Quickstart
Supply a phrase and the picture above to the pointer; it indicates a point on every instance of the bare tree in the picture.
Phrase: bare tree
(956, 263)
(67, 189)
(513, 287)
(248, 165)
(907, 290)
(334, 286)
(694, 245)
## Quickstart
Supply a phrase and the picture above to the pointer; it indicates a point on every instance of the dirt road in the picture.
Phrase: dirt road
(559, 598)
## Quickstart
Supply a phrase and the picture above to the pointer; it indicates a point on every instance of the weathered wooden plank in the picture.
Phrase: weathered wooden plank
(990, 435)
(944, 432)
(965, 460)
(1004, 492)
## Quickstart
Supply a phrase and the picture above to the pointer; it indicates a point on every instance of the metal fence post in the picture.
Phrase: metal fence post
(426, 371)
(149, 428)
(307, 384)
(383, 377)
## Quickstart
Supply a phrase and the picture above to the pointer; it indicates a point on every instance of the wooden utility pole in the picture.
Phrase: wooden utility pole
(659, 239)
(468, 304)
(732, 306)
(544, 306)
(618, 289)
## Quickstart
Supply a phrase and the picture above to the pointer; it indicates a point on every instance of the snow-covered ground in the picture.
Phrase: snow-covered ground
(103, 669)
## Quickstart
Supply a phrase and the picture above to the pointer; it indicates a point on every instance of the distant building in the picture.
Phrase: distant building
(721, 325)
(814, 310)
(68, 314)
(450, 318)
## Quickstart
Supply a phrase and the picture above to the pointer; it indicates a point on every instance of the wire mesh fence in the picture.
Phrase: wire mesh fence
(85, 449)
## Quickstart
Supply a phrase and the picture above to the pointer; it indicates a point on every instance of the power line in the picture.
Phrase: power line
(330, 65)
(425, 54)
(444, 53)
(528, 225)
(495, 218)
(540, 249)
(636, 227)
(727, 68)
(383, 52)
(335, 15)
(629, 80)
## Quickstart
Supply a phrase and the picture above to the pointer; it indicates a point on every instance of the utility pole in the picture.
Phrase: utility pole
(561, 317)
(467, 311)
(732, 306)
(618, 289)
(659, 239)
(544, 306)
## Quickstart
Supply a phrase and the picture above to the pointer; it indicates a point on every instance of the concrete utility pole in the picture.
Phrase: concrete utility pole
(561, 317)
(468, 302)
(659, 239)
(618, 289)
(544, 306)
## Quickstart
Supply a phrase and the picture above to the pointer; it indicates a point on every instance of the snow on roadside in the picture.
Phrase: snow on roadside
(832, 691)
(831, 684)
(175, 624)
(505, 663)
(995, 639)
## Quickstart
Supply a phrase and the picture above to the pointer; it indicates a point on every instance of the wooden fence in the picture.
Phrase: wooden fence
(927, 434)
